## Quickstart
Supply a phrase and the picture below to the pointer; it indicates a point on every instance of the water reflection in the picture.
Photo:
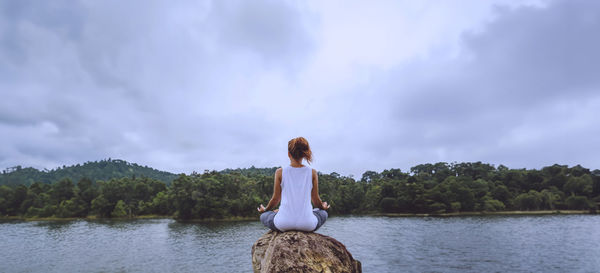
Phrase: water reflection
(123, 224)
(461, 244)
(215, 244)
(55, 225)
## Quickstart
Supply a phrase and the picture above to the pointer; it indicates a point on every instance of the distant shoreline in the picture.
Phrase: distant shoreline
(231, 219)
(481, 213)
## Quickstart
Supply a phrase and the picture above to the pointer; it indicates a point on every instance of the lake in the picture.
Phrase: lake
(549, 243)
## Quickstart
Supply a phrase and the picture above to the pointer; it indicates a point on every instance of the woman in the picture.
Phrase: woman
(295, 186)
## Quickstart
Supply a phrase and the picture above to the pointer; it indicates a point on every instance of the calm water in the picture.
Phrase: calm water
(461, 244)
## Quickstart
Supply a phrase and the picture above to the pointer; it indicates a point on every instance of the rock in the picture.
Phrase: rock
(298, 251)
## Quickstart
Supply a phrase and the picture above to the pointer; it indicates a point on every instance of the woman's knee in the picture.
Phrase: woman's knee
(323, 214)
(264, 217)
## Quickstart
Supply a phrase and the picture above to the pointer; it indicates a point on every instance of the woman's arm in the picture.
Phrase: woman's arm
(316, 200)
(276, 193)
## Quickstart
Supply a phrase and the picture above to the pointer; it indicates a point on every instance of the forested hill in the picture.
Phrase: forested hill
(115, 188)
(96, 170)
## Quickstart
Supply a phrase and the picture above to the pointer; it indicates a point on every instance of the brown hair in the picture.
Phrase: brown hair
(298, 148)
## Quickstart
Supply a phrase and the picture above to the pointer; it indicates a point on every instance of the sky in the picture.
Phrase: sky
(186, 86)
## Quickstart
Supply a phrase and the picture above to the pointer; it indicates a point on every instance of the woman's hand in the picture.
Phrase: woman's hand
(325, 206)
(261, 209)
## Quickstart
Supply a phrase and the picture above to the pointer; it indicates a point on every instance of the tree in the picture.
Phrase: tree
(578, 170)
(6, 196)
(47, 211)
(160, 204)
(181, 194)
(388, 204)
(71, 208)
(493, 205)
(555, 175)
(120, 210)
(19, 195)
(579, 185)
(501, 193)
(528, 201)
(62, 190)
(101, 206)
(464, 195)
(85, 193)
(549, 199)
(372, 198)
(369, 176)
(394, 174)
(578, 202)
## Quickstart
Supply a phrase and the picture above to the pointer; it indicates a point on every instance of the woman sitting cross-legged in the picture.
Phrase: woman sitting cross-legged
(295, 186)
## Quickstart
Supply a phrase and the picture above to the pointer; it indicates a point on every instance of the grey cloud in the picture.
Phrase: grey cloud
(274, 29)
(527, 56)
(511, 74)
(144, 80)
(177, 86)
(539, 52)
(63, 17)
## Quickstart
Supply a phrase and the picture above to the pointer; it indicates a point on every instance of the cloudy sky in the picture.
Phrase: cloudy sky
(186, 86)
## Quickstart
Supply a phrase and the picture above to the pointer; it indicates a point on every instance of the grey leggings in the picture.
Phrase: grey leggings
(267, 218)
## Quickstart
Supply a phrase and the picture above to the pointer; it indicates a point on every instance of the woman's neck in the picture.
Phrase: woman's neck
(296, 164)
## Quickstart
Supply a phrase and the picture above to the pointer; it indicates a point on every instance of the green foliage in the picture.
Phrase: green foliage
(96, 170)
(47, 211)
(120, 210)
(62, 190)
(71, 208)
(427, 188)
(160, 204)
(388, 204)
(579, 185)
(578, 202)
(493, 205)
(501, 193)
(6, 196)
(437, 207)
(455, 206)
(185, 195)
(528, 201)
(101, 206)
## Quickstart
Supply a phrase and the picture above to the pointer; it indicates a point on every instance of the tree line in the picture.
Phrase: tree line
(94, 170)
(426, 188)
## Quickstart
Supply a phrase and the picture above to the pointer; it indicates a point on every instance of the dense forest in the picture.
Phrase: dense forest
(426, 188)
(94, 170)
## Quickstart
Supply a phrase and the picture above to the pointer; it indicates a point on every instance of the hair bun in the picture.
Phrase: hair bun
(299, 149)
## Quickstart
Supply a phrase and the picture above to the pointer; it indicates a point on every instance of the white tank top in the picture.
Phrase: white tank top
(295, 211)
